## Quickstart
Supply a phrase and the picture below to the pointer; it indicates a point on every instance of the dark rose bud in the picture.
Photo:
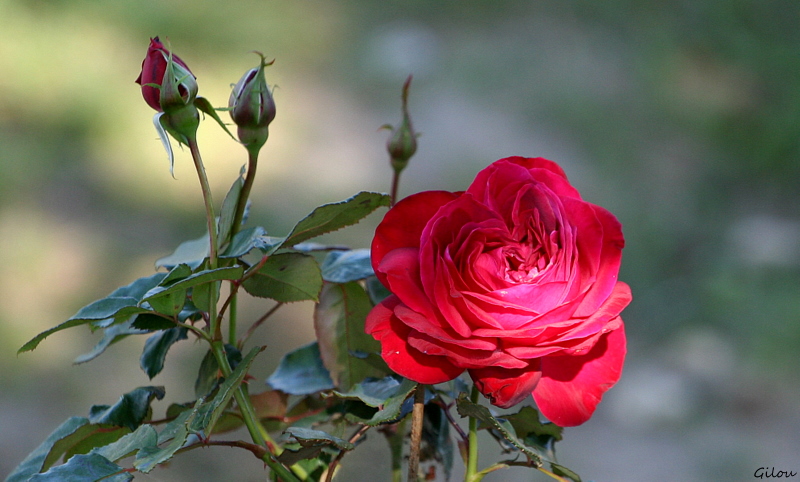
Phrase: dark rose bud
(252, 107)
(161, 91)
(403, 143)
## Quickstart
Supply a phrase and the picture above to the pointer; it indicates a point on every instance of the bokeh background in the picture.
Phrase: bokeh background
(681, 117)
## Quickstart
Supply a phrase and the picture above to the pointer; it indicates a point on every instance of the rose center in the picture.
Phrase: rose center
(524, 262)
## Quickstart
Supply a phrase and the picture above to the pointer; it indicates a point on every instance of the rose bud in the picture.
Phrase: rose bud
(403, 143)
(514, 281)
(181, 89)
(252, 107)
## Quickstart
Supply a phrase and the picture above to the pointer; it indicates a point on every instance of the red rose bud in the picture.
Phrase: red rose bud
(252, 106)
(403, 143)
(181, 88)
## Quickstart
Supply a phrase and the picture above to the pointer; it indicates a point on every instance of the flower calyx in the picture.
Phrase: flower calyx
(252, 106)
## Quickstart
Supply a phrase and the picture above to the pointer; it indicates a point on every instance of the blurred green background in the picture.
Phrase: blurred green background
(681, 117)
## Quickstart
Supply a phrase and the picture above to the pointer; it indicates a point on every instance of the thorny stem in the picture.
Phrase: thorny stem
(416, 432)
(451, 420)
(256, 450)
(353, 439)
(258, 323)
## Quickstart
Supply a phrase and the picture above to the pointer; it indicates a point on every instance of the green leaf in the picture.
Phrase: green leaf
(111, 308)
(349, 354)
(156, 348)
(195, 279)
(209, 413)
(308, 437)
(83, 468)
(177, 273)
(529, 428)
(331, 217)
(243, 242)
(270, 404)
(201, 296)
(345, 266)
(111, 335)
(48, 452)
(162, 134)
(150, 322)
(377, 292)
(166, 301)
(228, 211)
(204, 106)
(144, 436)
(564, 472)
(131, 409)
(207, 375)
(387, 394)
(176, 433)
(468, 409)
(312, 443)
(286, 277)
(102, 435)
(437, 446)
(191, 253)
(138, 288)
(301, 372)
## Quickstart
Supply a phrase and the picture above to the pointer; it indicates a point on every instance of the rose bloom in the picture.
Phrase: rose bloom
(513, 280)
(153, 67)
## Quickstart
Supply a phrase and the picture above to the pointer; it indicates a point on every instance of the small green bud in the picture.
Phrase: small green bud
(252, 107)
(403, 142)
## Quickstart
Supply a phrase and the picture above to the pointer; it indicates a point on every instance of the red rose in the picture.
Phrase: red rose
(153, 67)
(514, 280)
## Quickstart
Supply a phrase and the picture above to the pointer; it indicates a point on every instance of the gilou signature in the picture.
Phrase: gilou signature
(770, 472)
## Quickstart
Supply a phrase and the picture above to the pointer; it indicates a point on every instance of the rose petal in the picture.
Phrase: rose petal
(572, 386)
(463, 356)
(506, 387)
(610, 259)
(403, 224)
(398, 354)
(400, 271)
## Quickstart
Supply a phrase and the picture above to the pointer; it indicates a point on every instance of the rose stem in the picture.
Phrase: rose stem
(416, 432)
(472, 448)
(242, 399)
(395, 184)
(244, 194)
(210, 219)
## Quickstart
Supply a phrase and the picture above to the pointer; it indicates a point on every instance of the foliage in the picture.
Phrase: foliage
(324, 396)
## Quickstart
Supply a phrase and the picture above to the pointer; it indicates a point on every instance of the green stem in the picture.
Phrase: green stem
(472, 449)
(211, 219)
(244, 195)
(395, 185)
(211, 222)
(395, 437)
(257, 433)
(232, 312)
